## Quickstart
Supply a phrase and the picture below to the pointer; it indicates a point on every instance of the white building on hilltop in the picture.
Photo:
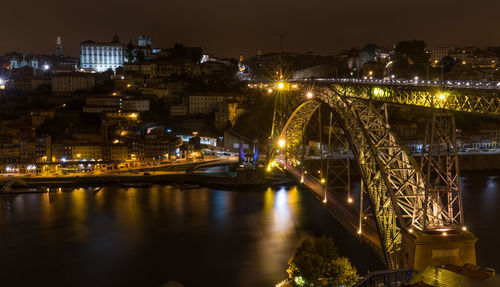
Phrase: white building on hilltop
(101, 57)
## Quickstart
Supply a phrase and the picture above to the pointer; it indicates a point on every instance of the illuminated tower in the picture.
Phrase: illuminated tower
(59, 46)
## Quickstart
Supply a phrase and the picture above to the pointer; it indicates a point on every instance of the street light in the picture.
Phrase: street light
(281, 85)
(309, 95)
(281, 143)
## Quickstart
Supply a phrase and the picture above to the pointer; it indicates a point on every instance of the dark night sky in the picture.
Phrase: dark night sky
(237, 27)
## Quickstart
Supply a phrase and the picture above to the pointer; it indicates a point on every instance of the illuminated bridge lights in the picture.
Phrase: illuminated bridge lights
(350, 101)
(378, 92)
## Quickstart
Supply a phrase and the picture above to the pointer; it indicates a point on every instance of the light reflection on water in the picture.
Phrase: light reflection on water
(148, 236)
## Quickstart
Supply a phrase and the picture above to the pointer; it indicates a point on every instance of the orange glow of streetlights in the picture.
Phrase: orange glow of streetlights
(309, 95)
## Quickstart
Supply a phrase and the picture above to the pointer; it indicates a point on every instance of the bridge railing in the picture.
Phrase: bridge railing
(401, 82)
(386, 278)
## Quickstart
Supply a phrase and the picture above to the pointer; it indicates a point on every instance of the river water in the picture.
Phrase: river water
(148, 236)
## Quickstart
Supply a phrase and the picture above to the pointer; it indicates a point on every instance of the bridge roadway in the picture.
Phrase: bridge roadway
(410, 83)
(344, 215)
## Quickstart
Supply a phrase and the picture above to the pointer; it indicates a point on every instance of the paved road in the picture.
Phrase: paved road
(340, 211)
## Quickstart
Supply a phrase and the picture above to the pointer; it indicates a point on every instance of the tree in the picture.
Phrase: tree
(447, 63)
(140, 56)
(412, 52)
(130, 51)
(340, 272)
(316, 262)
(410, 59)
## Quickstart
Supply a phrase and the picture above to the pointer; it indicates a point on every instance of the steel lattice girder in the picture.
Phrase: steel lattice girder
(392, 180)
(440, 168)
(294, 127)
(457, 100)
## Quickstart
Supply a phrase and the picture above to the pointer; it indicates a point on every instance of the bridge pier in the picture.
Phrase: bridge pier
(424, 249)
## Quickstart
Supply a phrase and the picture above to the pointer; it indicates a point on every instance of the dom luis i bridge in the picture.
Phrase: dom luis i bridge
(410, 211)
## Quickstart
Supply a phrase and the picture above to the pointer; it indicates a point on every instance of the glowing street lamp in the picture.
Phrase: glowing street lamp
(442, 96)
(309, 95)
(281, 85)
(281, 143)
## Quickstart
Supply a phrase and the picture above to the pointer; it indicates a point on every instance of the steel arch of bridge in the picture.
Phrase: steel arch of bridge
(392, 178)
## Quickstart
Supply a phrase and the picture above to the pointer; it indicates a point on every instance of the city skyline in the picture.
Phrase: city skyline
(231, 29)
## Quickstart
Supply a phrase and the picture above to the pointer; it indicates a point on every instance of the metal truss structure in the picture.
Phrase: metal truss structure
(338, 167)
(457, 100)
(442, 178)
(400, 197)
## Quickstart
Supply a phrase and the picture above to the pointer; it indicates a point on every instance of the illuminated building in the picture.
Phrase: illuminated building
(101, 57)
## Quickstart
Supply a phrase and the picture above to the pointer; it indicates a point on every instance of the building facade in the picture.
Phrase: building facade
(100, 57)
(67, 83)
(206, 103)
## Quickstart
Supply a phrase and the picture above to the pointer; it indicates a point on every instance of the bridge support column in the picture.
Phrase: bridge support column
(437, 249)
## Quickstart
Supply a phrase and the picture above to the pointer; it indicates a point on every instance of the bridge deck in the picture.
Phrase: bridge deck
(340, 212)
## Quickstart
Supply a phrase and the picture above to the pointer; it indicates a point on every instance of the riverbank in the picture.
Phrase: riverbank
(239, 178)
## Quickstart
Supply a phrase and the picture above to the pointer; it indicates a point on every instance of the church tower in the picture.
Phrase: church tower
(59, 47)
